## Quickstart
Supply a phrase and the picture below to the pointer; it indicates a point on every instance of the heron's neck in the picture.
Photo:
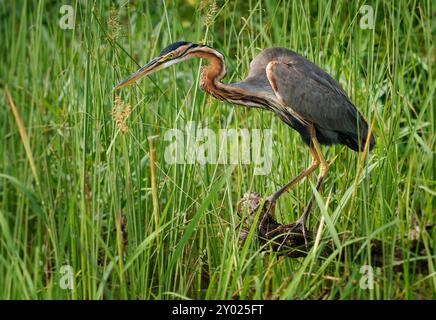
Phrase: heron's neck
(211, 76)
(212, 73)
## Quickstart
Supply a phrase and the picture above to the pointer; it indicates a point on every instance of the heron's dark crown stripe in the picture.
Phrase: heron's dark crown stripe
(173, 47)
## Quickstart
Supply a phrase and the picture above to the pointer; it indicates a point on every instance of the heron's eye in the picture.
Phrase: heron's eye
(166, 57)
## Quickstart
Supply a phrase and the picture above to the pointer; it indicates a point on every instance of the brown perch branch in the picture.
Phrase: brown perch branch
(286, 239)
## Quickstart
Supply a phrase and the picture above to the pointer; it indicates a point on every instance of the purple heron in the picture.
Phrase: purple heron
(299, 92)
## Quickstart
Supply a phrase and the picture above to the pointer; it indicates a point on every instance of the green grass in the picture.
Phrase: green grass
(69, 178)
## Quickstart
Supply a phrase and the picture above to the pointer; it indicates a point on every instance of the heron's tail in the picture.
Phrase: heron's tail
(353, 142)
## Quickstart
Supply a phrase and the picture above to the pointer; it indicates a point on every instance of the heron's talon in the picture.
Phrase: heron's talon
(267, 210)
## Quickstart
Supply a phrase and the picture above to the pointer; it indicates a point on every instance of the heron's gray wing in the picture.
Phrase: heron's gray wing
(315, 96)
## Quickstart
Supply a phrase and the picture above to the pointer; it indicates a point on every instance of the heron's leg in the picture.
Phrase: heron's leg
(271, 200)
(315, 163)
(324, 167)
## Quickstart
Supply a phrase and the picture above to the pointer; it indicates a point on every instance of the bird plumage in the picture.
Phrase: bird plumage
(303, 95)
(308, 92)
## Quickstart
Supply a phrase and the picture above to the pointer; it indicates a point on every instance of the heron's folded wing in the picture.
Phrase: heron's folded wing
(315, 96)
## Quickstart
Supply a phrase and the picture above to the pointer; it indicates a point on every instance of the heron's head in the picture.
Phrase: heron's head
(174, 53)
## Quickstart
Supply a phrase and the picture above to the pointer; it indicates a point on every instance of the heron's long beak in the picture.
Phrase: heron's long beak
(150, 67)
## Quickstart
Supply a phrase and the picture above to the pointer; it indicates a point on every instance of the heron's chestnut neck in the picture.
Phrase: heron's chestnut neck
(211, 73)
(211, 76)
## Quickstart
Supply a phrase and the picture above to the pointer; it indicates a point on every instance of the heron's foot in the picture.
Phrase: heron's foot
(300, 224)
(268, 211)
(295, 230)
